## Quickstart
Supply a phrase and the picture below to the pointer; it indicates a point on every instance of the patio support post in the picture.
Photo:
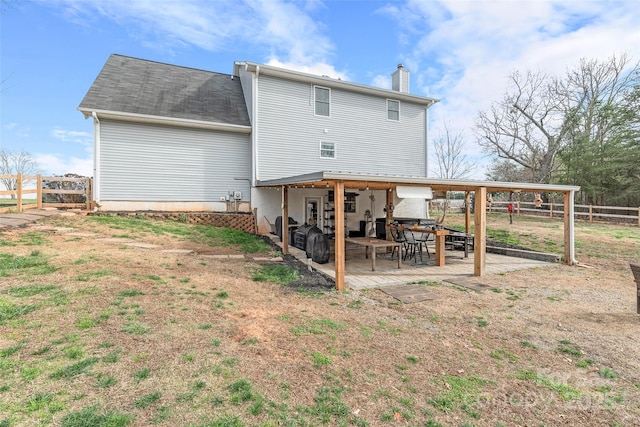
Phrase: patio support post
(480, 236)
(338, 199)
(285, 219)
(568, 228)
(389, 212)
(467, 211)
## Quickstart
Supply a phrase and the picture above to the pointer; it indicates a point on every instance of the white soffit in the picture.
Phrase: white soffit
(407, 192)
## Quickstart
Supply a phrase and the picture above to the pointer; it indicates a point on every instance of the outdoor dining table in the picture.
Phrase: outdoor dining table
(373, 243)
(440, 239)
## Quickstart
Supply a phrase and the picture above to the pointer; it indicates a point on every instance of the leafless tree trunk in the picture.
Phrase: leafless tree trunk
(452, 162)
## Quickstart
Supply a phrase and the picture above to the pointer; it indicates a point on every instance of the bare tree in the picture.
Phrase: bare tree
(527, 127)
(13, 163)
(542, 114)
(452, 162)
(507, 171)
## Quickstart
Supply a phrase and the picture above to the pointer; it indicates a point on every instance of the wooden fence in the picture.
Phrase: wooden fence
(40, 191)
(590, 213)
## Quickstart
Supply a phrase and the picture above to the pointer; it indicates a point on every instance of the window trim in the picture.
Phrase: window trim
(389, 110)
(315, 101)
(334, 150)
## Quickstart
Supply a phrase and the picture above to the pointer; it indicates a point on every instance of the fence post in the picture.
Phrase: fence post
(39, 190)
(87, 190)
(518, 208)
(638, 217)
(19, 192)
(550, 209)
(590, 214)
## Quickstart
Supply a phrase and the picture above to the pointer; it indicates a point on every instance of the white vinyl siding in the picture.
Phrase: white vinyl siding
(322, 100)
(327, 150)
(393, 110)
(288, 132)
(141, 162)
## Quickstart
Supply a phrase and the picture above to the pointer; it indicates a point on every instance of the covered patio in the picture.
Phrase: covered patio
(358, 274)
(479, 264)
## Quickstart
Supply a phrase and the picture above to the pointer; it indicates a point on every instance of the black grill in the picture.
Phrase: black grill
(310, 239)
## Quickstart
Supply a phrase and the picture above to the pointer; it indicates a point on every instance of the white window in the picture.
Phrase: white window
(322, 100)
(327, 150)
(393, 110)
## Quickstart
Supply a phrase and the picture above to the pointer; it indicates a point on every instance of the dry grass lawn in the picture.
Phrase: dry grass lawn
(95, 331)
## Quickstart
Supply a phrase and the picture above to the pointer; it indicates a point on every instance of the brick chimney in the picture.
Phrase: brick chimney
(400, 79)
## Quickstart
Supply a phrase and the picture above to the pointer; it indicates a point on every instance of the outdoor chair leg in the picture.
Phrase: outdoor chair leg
(393, 251)
(408, 252)
(427, 249)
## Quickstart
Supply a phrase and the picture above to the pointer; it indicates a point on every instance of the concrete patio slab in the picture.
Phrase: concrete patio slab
(358, 274)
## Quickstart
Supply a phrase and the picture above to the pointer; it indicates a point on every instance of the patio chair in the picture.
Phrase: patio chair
(424, 238)
(413, 247)
(398, 237)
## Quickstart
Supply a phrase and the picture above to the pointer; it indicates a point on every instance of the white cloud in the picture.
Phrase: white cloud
(381, 81)
(56, 165)
(283, 30)
(17, 129)
(463, 51)
(78, 137)
(318, 69)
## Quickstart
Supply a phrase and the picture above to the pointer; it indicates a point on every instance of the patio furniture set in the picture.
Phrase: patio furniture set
(407, 242)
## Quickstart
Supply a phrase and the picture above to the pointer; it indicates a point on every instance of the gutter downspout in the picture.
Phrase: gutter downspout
(96, 158)
(426, 154)
(426, 141)
(256, 151)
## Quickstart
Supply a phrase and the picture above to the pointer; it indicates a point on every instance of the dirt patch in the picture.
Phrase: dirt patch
(310, 279)
(554, 345)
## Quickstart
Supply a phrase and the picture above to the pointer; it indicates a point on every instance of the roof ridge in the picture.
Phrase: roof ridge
(170, 65)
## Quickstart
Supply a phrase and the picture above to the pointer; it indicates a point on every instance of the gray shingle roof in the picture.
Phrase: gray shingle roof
(139, 86)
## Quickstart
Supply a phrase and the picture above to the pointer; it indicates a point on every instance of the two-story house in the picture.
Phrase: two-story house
(276, 142)
(175, 138)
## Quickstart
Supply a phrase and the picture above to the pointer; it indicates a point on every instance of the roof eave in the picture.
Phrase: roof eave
(435, 183)
(331, 82)
(166, 121)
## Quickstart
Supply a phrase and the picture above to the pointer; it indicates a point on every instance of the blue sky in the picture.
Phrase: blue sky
(458, 51)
